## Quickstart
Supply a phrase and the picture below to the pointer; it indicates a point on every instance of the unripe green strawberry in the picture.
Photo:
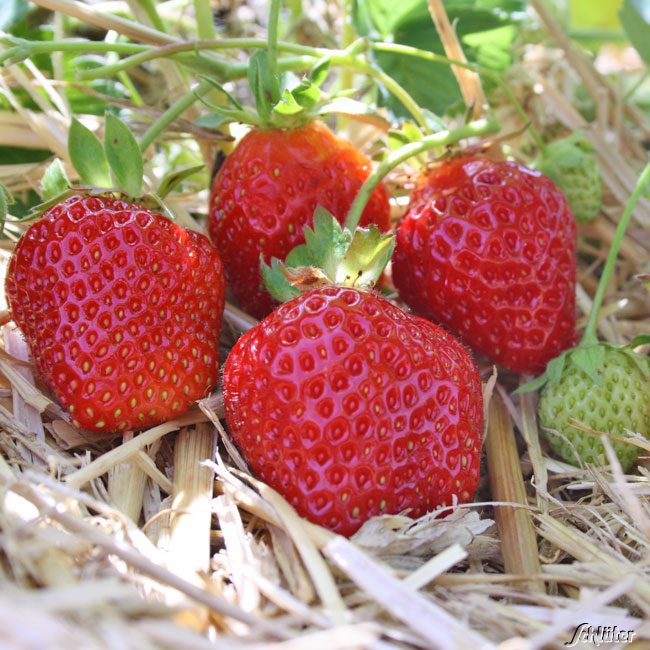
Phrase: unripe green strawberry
(614, 399)
(571, 164)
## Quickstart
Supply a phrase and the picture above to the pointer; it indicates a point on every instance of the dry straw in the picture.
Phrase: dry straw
(163, 540)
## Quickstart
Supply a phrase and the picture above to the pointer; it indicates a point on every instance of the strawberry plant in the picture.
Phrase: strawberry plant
(597, 388)
(246, 385)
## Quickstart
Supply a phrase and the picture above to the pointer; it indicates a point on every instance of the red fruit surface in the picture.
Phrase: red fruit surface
(266, 192)
(488, 249)
(121, 309)
(350, 408)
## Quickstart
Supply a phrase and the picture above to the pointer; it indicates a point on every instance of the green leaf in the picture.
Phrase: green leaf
(642, 339)
(124, 156)
(590, 360)
(231, 98)
(259, 80)
(175, 177)
(223, 115)
(635, 18)
(88, 157)
(366, 257)
(275, 281)
(306, 94)
(287, 105)
(327, 242)
(318, 73)
(300, 256)
(485, 29)
(55, 180)
(18, 155)
(552, 374)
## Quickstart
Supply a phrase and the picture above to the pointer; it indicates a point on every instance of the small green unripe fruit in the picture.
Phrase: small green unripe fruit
(618, 404)
(571, 164)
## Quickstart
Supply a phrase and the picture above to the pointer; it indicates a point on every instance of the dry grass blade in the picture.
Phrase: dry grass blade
(469, 82)
(48, 508)
(431, 622)
(124, 452)
(126, 487)
(518, 542)
(189, 544)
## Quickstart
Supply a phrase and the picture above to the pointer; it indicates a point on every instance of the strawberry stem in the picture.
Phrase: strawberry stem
(441, 139)
(407, 50)
(174, 111)
(272, 48)
(590, 337)
(204, 19)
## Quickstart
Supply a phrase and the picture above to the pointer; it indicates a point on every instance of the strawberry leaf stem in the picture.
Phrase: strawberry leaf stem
(173, 112)
(590, 337)
(204, 19)
(441, 139)
(272, 49)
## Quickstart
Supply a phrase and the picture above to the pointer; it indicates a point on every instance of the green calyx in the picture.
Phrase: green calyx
(293, 107)
(331, 254)
(114, 166)
(589, 359)
(571, 164)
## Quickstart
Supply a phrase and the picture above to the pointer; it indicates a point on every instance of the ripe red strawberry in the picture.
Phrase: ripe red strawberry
(266, 193)
(350, 407)
(488, 249)
(121, 309)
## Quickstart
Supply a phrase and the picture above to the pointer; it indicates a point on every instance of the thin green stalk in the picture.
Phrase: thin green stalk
(589, 337)
(272, 48)
(131, 89)
(295, 6)
(195, 46)
(27, 49)
(173, 112)
(240, 70)
(444, 138)
(149, 7)
(347, 38)
(393, 86)
(407, 50)
(204, 19)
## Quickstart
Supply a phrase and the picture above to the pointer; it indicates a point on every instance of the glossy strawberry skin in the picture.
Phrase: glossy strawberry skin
(350, 407)
(266, 192)
(121, 309)
(488, 249)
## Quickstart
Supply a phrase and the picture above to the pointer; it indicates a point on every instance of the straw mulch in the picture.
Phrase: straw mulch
(164, 540)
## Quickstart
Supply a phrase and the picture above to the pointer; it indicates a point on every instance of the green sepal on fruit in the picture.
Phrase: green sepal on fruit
(571, 164)
(293, 106)
(331, 254)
